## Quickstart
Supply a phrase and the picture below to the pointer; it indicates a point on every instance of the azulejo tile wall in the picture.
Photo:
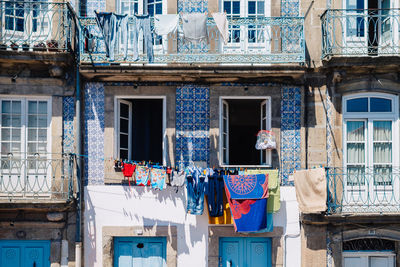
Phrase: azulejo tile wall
(94, 134)
(92, 5)
(290, 155)
(68, 124)
(192, 125)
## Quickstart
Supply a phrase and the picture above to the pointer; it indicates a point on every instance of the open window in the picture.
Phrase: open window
(140, 130)
(240, 120)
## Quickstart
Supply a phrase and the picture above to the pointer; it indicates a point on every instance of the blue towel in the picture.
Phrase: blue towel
(253, 186)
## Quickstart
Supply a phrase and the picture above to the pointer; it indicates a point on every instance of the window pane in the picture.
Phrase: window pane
(260, 8)
(6, 120)
(355, 131)
(42, 121)
(42, 107)
(5, 134)
(32, 134)
(380, 105)
(357, 105)
(159, 8)
(16, 107)
(382, 152)
(5, 148)
(123, 154)
(6, 107)
(42, 135)
(355, 153)
(382, 130)
(32, 107)
(355, 176)
(123, 138)
(16, 135)
(32, 121)
(236, 8)
(227, 7)
(124, 126)
(252, 7)
(16, 120)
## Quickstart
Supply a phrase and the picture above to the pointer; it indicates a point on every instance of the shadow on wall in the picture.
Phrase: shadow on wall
(191, 229)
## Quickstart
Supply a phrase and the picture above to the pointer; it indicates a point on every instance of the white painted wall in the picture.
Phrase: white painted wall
(136, 206)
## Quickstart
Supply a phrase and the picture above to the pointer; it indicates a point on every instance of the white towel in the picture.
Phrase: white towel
(194, 26)
(223, 25)
(165, 24)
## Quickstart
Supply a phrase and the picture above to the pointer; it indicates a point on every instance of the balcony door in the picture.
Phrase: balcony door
(370, 176)
(369, 27)
(28, 21)
(249, 37)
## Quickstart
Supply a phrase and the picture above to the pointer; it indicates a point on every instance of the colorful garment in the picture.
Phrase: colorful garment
(247, 186)
(226, 217)
(249, 215)
(142, 175)
(157, 178)
(274, 190)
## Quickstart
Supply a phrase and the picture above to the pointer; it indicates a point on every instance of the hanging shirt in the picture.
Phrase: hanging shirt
(165, 24)
(194, 26)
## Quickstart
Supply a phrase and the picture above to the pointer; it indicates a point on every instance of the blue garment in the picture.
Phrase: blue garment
(195, 195)
(252, 186)
(110, 25)
(143, 22)
(215, 191)
(253, 216)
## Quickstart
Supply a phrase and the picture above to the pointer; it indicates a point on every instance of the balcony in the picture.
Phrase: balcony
(363, 190)
(38, 178)
(360, 32)
(36, 27)
(252, 40)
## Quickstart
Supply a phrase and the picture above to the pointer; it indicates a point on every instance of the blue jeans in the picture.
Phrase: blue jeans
(143, 22)
(195, 195)
(110, 24)
(215, 193)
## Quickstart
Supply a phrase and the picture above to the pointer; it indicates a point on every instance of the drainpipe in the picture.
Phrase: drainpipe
(284, 245)
(80, 188)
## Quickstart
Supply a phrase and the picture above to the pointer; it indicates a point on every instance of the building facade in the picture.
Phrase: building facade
(37, 170)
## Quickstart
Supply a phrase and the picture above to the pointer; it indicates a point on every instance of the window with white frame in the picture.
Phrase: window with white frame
(140, 129)
(369, 252)
(249, 38)
(25, 126)
(370, 147)
(241, 118)
(132, 7)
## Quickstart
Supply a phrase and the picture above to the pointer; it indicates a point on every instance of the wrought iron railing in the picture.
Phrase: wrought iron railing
(360, 32)
(36, 26)
(252, 40)
(41, 177)
(363, 190)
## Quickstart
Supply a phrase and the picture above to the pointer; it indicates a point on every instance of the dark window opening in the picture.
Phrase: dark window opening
(244, 124)
(146, 136)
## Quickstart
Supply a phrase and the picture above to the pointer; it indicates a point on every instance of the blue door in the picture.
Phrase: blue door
(140, 251)
(16, 253)
(245, 252)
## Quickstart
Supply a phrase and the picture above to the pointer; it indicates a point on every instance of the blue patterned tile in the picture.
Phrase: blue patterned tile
(94, 133)
(290, 132)
(192, 125)
(68, 124)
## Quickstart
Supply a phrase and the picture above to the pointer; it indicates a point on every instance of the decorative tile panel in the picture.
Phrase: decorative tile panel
(68, 124)
(290, 132)
(329, 129)
(94, 134)
(192, 125)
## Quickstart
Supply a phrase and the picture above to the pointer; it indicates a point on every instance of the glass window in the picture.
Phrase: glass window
(380, 104)
(357, 105)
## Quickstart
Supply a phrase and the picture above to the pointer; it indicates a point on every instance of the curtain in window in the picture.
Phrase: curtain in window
(356, 152)
(382, 155)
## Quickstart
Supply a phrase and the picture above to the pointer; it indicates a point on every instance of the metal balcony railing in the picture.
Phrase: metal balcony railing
(360, 32)
(37, 177)
(363, 190)
(252, 40)
(36, 26)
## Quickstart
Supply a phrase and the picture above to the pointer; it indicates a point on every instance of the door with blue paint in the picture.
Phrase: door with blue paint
(16, 253)
(245, 252)
(140, 251)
